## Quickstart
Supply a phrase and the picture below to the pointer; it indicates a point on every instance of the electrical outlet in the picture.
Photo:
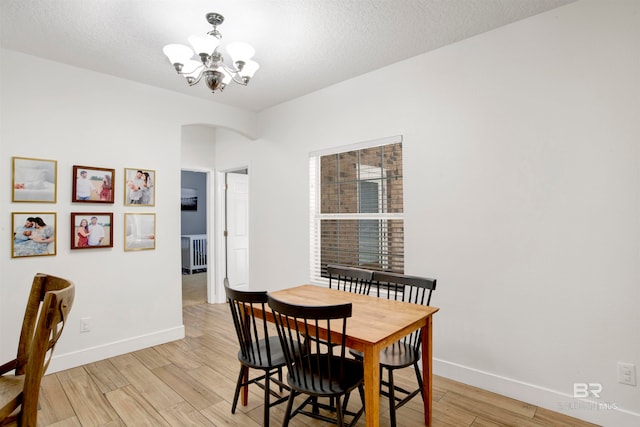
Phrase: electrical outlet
(85, 324)
(627, 373)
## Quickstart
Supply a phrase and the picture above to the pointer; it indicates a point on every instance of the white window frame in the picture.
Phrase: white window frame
(315, 216)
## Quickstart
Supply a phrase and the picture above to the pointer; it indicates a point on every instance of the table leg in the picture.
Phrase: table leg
(372, 386)
(427, 369)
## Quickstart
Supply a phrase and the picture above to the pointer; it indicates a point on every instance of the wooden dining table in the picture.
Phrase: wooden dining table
(375, 323)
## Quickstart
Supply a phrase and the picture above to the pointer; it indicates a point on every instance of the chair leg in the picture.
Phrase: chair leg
(287, 414)
(280, 379)
(392, 400)
(267, 393)
(419, 378)
(346, 401)
(339, 413)
(239, 385)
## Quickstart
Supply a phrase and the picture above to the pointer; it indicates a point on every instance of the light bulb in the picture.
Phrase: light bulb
(249, 69)
(177, 53)
(240, 51)
(204, 44)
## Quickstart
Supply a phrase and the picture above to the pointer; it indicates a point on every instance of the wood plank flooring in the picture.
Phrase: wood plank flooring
(191, 382)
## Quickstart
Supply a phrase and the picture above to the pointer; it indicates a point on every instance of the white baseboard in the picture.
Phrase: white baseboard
(62, 361)
(604, 414)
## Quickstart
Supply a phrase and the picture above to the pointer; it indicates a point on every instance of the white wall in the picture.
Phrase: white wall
(77, 117)
(522, 152)
(522, 155)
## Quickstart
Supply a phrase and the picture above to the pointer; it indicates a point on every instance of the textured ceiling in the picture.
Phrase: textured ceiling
(301, 45)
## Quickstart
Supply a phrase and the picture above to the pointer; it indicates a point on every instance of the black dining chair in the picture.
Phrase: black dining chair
(349, 279)
(258, 349)
(313, 339)
(407, 351)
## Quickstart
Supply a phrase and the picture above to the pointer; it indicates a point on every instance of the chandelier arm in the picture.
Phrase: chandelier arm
(234, 73)
(195, 82)
(200, 74)
(199, 66)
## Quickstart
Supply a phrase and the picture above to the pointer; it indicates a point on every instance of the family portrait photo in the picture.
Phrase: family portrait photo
(34, 180)
(90, 230)
(34, 234)
(92, 185)
(139, 187)
(139, 231)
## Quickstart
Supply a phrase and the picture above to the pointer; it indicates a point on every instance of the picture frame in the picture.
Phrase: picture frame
(139, 187)
(33, 234)
(91, 230)
(93, 185)
(188, 199)
(139, 231)
(34, 180)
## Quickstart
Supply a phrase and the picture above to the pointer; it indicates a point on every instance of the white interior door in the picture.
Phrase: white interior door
(237, 229)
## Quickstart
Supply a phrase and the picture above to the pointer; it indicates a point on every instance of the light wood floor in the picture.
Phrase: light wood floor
(194, 289)
(190, 383)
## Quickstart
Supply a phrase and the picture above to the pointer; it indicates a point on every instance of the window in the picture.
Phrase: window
(356, 207)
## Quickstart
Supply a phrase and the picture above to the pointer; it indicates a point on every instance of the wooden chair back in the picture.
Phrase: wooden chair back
(313, 367)
(47, 311)
(401, 287)
(252, 331)
(349, 279)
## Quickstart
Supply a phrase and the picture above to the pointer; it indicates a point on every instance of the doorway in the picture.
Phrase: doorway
(236, 235)
(194, 237)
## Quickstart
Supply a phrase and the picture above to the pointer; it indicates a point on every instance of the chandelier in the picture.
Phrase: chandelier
(211, 66)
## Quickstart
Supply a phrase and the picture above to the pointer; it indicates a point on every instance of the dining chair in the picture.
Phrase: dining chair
(349, 279)
(313, 339)
(407, 351)
(46, 314)
(258, 349)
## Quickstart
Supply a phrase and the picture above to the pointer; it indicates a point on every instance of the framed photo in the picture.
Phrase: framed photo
(139, 231)
(91, 230)
(92, 185)
(34, 234)
(139, 187)
(188, 199)
(34, 180)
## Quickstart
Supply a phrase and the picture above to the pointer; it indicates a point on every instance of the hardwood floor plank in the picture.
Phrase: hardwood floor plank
(152, 388)
(133, 409)
(496, 400)
(185, 415)
(222, 386)
(558, 419)
(443, 413)
(481, 422)
(54, 405)
(89, 404)
(177, 356)
(191, 390)
(69, 422)
(220, 415)
(106, 376)
(151, 358)
(486, 410)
